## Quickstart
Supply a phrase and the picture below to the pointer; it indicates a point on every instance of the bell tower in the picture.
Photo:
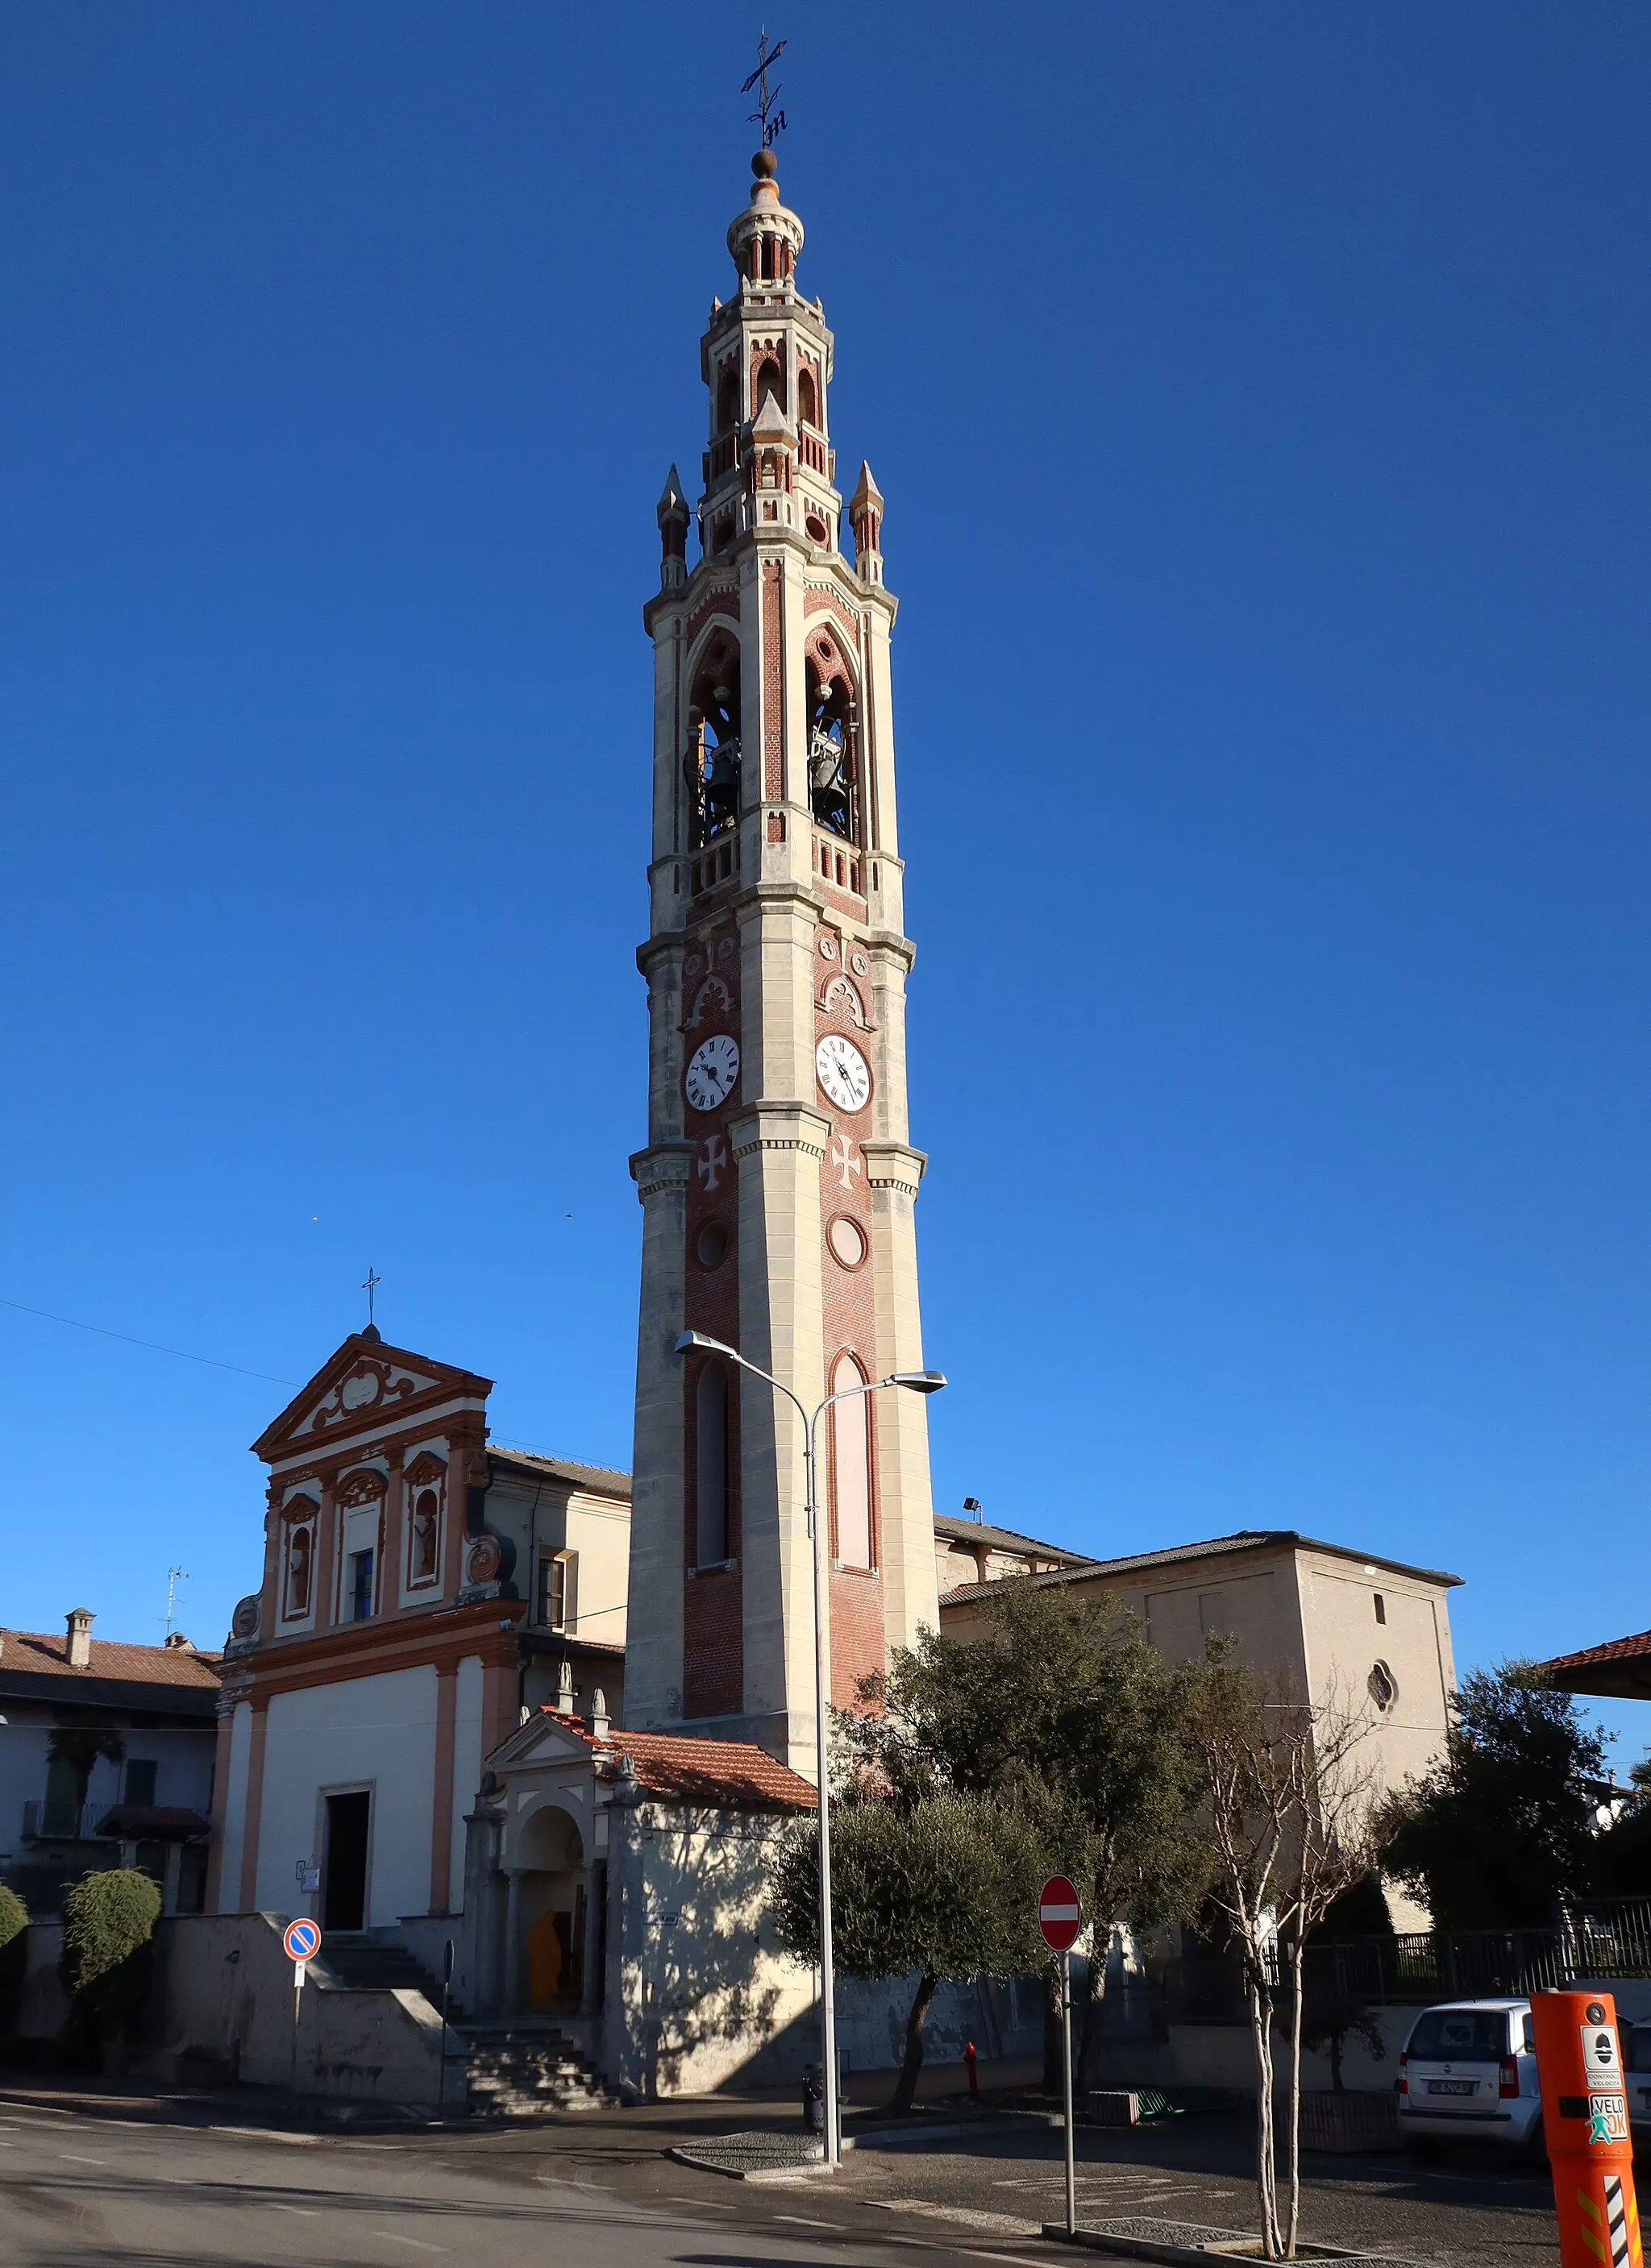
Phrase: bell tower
(779, 1185)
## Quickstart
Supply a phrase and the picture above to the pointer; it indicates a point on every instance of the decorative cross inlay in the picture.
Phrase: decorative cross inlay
(713, 1156)
(842, 1157)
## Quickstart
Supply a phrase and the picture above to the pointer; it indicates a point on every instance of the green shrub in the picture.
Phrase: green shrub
(108, 1921)
(14, 1921)
(14, 1915)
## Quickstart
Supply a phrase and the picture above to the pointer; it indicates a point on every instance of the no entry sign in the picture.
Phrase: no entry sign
(302, 1939)
(1059, 1915)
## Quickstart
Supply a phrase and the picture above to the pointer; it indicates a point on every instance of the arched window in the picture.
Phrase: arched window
(833, 784)
(807, 402)
(711, 767)
(298, 1556)
(852, 1464)
(710, 1428)
(728, 397)
(771, 383)
(427, 1534)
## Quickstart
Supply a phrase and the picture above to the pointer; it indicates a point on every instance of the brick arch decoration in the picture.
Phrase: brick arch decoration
(842, 993)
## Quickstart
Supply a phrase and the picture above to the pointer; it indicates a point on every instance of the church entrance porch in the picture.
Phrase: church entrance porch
(551, 1898)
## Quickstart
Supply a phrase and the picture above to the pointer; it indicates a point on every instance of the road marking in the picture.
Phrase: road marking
(396, 2238)
(801, 2220)
(307, 2210)
(81, 2160)
(263, 2134)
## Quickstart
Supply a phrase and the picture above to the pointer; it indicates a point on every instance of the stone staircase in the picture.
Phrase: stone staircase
(527, 2070)
(366, 1964)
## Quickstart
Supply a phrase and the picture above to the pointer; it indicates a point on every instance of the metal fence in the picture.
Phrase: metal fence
(46, 1819)
(1610, 1939)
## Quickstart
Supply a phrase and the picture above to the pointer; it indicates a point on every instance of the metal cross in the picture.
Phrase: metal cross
(370, 1288)
(772, 122)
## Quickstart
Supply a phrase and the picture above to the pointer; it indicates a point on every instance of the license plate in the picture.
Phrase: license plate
(1452, 2087)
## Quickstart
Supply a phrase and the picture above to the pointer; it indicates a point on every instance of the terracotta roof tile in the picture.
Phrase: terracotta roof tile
(1615, 1649)
(712, 1771)
(33, 1653)
(601, 1480)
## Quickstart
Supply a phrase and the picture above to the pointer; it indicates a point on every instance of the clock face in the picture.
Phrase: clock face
(844, 1071)
(713, 1068)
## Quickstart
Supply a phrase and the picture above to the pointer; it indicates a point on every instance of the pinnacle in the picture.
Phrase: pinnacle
(770, 423)
(672, 500)
(866, 491)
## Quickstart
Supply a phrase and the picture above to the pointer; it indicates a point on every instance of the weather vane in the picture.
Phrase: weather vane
(772, 122)
(370, 1288)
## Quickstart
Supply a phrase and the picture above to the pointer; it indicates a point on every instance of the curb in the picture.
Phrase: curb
(1219, 2246)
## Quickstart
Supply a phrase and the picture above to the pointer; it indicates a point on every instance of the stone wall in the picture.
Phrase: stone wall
(221, 2010)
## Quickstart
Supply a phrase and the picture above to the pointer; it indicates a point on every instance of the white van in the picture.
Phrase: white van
(1469, 2074)
(1636, 2053)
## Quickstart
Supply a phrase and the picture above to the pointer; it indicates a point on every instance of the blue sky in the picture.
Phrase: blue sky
(1259, 400)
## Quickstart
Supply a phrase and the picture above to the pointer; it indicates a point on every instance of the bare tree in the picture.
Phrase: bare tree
(1291, 1790)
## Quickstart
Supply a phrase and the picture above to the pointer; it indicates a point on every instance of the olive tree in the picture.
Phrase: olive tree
(1056, 1704)
(946, 1886)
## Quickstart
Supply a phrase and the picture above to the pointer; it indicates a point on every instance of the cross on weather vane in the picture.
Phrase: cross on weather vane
(772, 122)
(370, 1288)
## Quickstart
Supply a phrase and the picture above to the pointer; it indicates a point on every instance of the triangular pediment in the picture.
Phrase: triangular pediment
(365, 1383)
(545, 1739)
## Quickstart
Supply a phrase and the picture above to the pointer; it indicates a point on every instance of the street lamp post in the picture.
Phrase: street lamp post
(915, 1381)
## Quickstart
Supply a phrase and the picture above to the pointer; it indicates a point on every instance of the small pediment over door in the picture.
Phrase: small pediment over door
(545, 1739)
(364, 1383)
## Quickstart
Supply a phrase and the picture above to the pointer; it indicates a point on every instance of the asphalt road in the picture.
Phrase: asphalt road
(80, 2190)
(151, 2181)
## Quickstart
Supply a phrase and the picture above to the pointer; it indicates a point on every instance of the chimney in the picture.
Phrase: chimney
(599, 1715)
(176, 1638)
(80, 1623)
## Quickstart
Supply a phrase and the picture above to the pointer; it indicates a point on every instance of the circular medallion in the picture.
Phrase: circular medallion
(846, 1239)
(484, 1561)
(859, 964)
(828, 945)
(358, 1392)
(711, 1246)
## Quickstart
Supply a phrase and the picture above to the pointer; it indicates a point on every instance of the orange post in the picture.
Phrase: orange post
(1585, 2123)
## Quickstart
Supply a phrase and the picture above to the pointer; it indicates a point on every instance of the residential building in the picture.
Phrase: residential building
(144, 1721)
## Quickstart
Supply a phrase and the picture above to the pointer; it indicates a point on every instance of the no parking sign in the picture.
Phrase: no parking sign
(302, 1939)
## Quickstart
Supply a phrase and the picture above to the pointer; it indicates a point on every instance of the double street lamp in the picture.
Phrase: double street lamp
(915, 1381)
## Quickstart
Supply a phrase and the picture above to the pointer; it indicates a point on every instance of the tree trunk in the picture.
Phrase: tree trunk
(1292, 2101)
(1054, 2073)
(906, 2085)
(1266, 2169)
(1094, 2001)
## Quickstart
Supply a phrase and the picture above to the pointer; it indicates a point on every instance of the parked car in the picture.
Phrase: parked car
(1469, 2074)
(1636, 2054)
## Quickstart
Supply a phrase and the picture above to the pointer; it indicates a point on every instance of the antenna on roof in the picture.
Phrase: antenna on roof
(972, 1503)
(174, 1576)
